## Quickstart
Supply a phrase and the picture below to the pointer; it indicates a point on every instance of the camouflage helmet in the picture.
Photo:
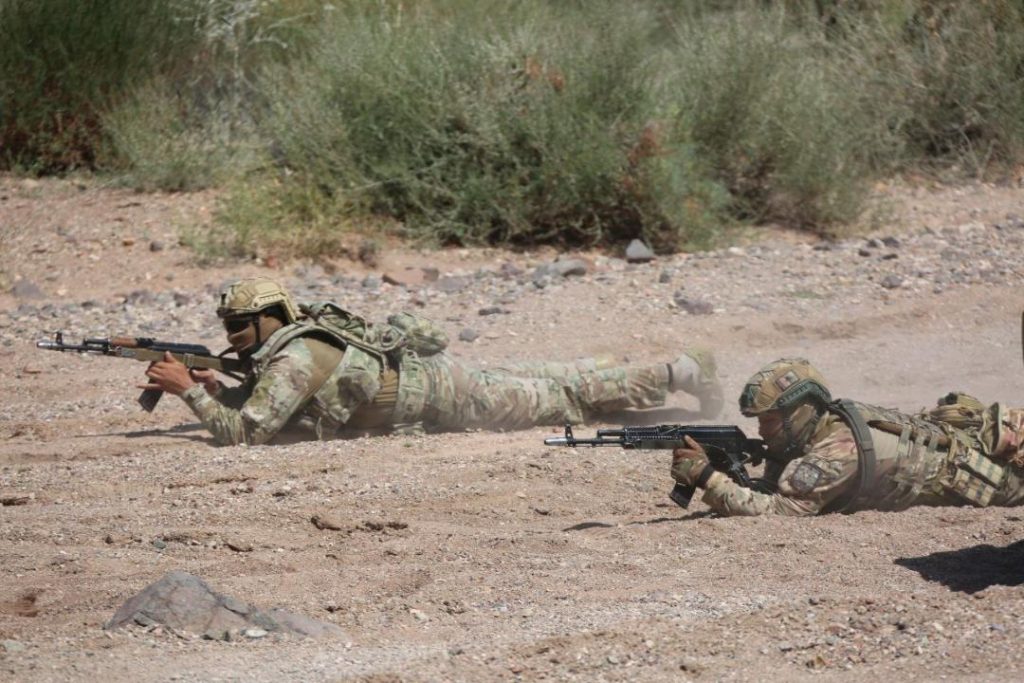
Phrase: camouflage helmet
(254, 294)
(782, 385)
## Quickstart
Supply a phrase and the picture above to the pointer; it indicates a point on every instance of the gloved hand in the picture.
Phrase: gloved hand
(689, 462)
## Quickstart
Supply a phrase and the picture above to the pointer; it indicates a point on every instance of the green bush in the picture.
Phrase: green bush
(488, 124)
(64, 62)
(775, 116)
(151, 87)
(951, 76)
(514, 123)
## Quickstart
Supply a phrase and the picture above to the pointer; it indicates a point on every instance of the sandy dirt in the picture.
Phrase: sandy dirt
(488, 556)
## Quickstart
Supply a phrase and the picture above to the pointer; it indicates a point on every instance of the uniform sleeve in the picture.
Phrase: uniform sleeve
(282, 390)
(806, 486)
(232, 397)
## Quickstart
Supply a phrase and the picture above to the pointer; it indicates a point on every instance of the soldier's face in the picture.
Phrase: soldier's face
(247, 333)
(241, 331)
(770, 425)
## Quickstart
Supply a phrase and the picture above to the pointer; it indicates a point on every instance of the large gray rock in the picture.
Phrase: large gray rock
(638, 252)
(26, 289)
(184, 602)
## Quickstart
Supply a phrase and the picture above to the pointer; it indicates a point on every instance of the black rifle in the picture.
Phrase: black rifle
(149, 350)
(727, 447)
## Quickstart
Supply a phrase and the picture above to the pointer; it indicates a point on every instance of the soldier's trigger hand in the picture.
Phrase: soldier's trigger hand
(206, 377)
(170, 375)
(688, 462)
(691, 450)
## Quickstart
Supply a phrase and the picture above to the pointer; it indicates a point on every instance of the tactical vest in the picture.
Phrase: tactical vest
(395, 346)
(903, 459)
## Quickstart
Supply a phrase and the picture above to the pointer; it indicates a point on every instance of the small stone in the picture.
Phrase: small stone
(510, 271)
(892, 242)
(863, 252)
(12, 646)
(405, 278)
(638, 252)
(254, 633)
(612, 659)
(420, 615)
(451, 285)
(468, 335)
(665, 276)
(692, 306)
(372, 282)
(128, 241)
(491, 310)
(326, 522)
(239, 546)
(568, 267)
(156, 246)
(875, 243)
(892, 282)
(690, 666)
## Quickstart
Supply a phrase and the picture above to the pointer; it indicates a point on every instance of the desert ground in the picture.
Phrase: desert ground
(486, 556)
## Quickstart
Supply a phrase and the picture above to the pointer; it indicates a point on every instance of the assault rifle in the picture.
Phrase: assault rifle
(150, 350)
(727, 447)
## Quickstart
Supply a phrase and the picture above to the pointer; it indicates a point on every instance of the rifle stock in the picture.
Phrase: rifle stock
(150, 350)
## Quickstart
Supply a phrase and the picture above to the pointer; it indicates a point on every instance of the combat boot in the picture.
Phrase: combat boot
(696, 373)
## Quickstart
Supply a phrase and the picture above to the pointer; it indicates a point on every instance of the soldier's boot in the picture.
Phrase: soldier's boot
(696, 373)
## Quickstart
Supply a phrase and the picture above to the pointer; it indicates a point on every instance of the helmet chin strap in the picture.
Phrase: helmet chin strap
(795, 442)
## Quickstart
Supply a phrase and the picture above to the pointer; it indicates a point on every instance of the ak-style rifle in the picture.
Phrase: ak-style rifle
(729, 450)
(150, 350)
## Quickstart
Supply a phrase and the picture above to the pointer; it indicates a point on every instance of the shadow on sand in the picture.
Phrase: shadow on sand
(973, 569)
(179, 432)
(583, 526)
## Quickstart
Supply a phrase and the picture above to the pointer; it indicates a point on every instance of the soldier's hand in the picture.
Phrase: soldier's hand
(688, 462)
(169, 375)
(208, 378)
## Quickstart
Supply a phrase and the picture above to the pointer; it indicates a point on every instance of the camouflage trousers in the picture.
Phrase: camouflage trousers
(460, 396)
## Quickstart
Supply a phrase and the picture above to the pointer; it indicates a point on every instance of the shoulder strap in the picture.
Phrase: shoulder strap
(846, 410)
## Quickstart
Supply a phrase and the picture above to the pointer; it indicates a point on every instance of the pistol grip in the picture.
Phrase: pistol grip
(149, 398)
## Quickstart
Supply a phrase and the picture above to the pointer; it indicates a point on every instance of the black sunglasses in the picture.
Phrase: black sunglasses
(236, 325)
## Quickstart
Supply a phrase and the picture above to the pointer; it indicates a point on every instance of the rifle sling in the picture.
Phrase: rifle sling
(845, 410)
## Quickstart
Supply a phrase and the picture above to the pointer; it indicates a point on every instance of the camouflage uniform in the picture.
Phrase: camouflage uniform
(304, 383)
(861, 456)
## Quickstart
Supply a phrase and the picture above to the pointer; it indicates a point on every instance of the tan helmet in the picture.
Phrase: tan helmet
(782, 385)
(254, 294)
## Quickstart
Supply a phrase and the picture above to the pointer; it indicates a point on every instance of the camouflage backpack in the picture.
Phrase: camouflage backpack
(402, 331)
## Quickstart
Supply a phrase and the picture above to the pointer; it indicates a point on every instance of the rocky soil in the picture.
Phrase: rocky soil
(483, 556)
